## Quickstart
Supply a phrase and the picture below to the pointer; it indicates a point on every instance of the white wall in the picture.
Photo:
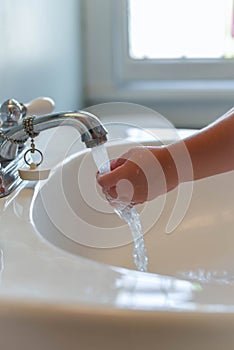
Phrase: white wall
(40, 51)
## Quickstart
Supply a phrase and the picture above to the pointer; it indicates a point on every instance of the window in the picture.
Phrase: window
(190, 79)
(202, 30)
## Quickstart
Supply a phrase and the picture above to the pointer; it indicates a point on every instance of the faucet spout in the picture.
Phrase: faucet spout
(92, 131)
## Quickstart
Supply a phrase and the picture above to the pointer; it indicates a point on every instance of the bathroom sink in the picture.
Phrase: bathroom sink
(67, 276)
(189, 233)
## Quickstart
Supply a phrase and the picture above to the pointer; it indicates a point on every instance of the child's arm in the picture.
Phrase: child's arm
(143, 173)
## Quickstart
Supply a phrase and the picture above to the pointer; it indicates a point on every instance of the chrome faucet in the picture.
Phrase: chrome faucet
(13, 137)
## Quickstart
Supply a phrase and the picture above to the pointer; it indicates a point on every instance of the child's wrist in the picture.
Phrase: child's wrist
(168, 165)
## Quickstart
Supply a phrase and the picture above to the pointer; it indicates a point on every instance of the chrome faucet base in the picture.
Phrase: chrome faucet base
(9, 176)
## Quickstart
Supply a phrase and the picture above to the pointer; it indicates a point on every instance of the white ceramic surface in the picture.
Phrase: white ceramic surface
(59, 289)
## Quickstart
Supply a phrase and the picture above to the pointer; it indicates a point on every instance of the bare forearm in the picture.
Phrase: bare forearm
(211, 150)
(152, 171)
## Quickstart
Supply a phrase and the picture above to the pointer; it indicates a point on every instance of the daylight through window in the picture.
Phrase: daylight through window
(181, 29)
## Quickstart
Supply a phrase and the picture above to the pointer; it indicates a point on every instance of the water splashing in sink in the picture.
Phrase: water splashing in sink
(127, 213)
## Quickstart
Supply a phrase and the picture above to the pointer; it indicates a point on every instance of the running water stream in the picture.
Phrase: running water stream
(126, 212)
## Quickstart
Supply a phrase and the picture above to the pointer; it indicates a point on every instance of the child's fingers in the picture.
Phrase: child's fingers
(115, 163)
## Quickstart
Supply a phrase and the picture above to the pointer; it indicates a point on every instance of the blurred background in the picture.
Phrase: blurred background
(173, 56)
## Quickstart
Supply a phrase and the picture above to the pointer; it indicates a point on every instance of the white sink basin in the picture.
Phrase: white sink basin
(70, 212)
(68, 281)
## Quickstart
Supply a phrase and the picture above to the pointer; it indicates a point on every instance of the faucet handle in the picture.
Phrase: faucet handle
(11, 111)
(39, 106)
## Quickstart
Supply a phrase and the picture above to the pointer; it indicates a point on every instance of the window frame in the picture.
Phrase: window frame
(167, 69)
(111, 75)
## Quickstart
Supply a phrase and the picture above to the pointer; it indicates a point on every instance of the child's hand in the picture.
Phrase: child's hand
(137, 175)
